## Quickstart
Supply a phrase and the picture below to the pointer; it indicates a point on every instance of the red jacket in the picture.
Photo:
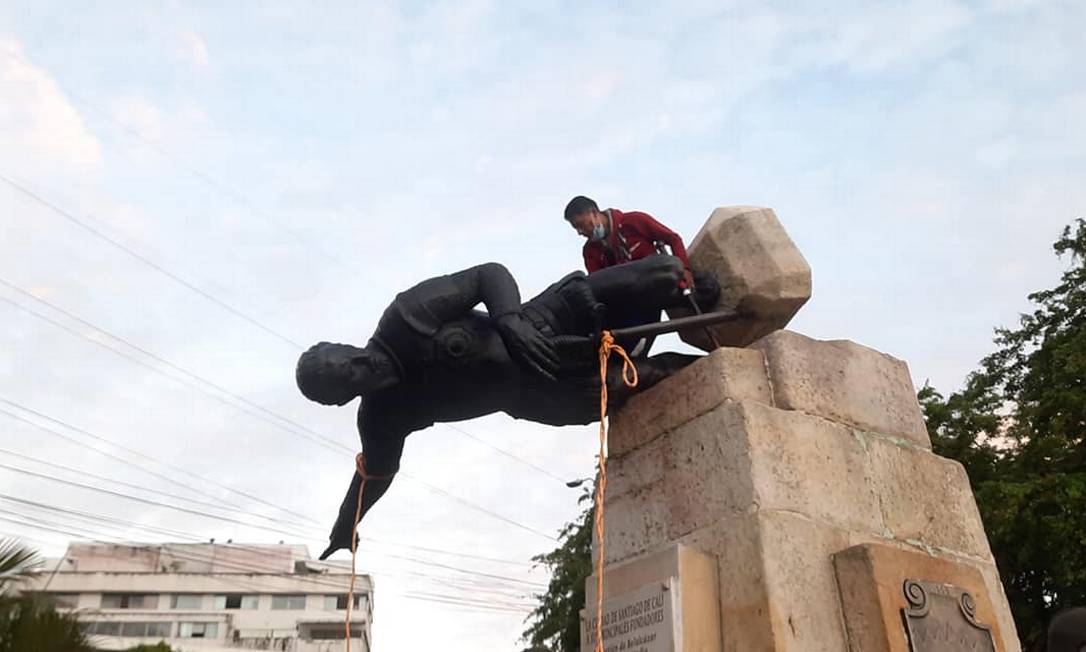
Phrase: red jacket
(632, 236)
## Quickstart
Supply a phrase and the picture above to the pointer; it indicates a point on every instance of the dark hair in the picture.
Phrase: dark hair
(579, 204)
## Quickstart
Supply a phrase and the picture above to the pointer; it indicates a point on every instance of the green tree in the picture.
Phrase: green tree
(555, 623)
(30, 623)
(1018, 426)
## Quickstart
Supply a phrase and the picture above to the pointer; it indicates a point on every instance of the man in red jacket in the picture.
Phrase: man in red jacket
(615, 237)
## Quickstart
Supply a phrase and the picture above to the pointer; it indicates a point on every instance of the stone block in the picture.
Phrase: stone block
(777, 587)
(812, 467)
(638, 469)
(925, 498)
(737, 458)
(871, 581)
(797, 554)
(726, 374)
(635, 523)
(760, 270)
(735, 542)
(845, 382)
(707, 475)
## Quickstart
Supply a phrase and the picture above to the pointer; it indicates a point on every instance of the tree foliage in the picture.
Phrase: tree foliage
(30, 623)
(1019, 428)
(555, 623)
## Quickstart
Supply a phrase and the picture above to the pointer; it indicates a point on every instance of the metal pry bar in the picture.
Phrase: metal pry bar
(680, 324)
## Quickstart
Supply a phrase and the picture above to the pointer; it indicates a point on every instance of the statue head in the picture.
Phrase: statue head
(334, 374)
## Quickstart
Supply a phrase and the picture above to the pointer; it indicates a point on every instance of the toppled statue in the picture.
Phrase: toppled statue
(433, 358)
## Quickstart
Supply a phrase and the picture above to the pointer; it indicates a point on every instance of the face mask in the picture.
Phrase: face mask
(598, 233)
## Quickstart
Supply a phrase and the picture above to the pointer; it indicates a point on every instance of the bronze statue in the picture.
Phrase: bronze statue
(433, 358)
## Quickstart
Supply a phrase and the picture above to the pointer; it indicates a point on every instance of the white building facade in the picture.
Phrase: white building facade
(210, 597)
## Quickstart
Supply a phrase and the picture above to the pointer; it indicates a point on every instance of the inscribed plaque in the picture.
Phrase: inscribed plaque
(642, 620)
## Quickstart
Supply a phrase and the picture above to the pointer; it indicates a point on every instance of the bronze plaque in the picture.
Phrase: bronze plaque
(943, 618)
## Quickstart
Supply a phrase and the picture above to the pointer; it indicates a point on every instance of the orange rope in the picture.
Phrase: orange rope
(360, 467)
(629, 377)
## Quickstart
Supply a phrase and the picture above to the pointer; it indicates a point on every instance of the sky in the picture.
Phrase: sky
(191, 193)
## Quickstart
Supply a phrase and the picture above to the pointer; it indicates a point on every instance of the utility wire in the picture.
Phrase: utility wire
(194, 555)
(130, 463)
(137, 487)
(146, 261)
(141, 468)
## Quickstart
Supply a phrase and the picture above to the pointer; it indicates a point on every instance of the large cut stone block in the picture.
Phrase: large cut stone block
(760, 271)
(777, 587)
(734, 459)
(872, 582)
(845, 382)
(727, 374)
(925, 498)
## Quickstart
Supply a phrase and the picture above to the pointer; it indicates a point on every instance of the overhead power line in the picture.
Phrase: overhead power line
(147, 261)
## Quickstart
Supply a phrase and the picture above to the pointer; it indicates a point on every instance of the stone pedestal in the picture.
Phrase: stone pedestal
(780, 458)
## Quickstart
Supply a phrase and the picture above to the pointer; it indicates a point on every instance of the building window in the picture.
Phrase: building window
(64, 600)
(332, 602)
(332, 634)
(288, 602)
(104, 628)
(129, 601)
(187, 601)
(198, 630)
(131, 629)
(237, 601)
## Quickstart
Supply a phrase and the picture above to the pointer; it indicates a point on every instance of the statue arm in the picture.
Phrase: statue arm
(495, 287)
(382, 443)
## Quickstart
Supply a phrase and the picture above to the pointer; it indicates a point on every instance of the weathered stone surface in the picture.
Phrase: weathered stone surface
(777, 589)
(698, 586)
(635, 522)
(760, 270)
(726, 374)
(741, 457)
(926, 498)
(797, 554)
(871, 578)
(845, 382)
(713, 453)
(745, 623)
(812, 467)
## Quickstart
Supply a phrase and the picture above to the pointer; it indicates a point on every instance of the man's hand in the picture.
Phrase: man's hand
(527, 345)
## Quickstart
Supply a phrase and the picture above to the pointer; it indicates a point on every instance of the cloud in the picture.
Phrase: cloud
(193, 47)
(41, 133)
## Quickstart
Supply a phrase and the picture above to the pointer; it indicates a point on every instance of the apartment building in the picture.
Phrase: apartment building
(210, 597)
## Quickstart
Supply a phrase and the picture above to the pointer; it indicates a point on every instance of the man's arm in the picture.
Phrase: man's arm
(657, 232)
(593, 262)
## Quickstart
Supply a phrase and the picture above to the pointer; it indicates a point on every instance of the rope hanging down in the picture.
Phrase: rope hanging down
(360, 467)
(629, 377)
